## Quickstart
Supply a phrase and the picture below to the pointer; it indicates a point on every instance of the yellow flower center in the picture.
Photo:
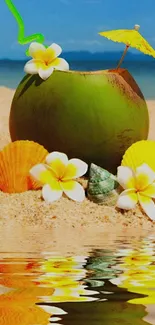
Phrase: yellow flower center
(141, 182)
(59, 179)
(46, 63)
(48, 56)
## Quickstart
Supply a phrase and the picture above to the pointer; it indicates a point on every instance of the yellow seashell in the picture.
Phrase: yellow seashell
(16, 159)
(139, 153)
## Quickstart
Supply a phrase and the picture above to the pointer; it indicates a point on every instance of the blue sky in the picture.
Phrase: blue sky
(74, 24)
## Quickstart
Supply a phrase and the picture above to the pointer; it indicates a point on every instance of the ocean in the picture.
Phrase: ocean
(11, 72)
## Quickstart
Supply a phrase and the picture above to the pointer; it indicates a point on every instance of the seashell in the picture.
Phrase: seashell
(102, 186)
(139, 153)
(16, 159)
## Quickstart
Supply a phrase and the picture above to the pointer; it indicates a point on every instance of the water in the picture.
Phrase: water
(11, 72)
(113, 284)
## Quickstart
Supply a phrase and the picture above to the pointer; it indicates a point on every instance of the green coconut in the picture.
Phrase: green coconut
(94, 116)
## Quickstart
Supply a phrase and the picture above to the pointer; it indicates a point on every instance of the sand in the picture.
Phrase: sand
(28, 224)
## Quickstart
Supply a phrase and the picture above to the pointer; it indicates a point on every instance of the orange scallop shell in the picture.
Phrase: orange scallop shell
(16, 159)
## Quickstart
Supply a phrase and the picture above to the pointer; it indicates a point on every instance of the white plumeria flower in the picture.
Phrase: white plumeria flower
(139, 187)
(45, 60)
(58, 175)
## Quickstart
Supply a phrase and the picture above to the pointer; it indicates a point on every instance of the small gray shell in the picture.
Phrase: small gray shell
(102, 186)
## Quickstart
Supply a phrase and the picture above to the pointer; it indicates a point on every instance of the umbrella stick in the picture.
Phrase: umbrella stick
(122, 58)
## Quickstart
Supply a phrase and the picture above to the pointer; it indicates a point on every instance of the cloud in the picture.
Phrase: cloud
(68, 2)
(103, 28)
(80, 2)
(91, 42)
(151, 39)
(65, 2)
(14, 46)
(92, 1)
(75, 45)
(82, 42)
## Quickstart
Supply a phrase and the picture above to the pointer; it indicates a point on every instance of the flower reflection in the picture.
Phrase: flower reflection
(65, 275)
(138, 273)
(26, 285)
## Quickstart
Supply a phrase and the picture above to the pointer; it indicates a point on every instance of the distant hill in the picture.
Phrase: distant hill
(104, 56)
(98, 56)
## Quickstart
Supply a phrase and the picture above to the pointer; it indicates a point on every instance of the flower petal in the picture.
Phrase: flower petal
(54, 319)
(127, 200)
(56, 48)
(147, 205)
(149, 191)
(53, 310)
(125, 177)
(51, 195)
(31, 67)
(42, 174)
(60, 64)
(57, 162)
(45, 72)
(75, 168)
(36, 50)
(144, 176)
(73, 190)
(51, 157)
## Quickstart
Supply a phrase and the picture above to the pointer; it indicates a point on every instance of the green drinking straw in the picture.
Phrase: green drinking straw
(21, 29)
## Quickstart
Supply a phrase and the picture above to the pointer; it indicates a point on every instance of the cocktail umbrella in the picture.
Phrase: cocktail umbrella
(130, 37)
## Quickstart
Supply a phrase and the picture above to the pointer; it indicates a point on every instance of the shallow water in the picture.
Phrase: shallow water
(108, 285)
(11, 72)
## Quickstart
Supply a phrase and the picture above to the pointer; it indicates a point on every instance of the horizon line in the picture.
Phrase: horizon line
(89, 53)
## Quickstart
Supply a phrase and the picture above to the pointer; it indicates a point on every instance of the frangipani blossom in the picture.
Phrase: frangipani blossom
(58, 176)
(45, 60)
(139, 187)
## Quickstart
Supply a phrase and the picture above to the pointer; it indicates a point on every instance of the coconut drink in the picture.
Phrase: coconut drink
(94, 116)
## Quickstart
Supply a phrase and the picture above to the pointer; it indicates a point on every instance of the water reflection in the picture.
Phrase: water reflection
(26, 284)
(113, 287)
(138, 271)
(20, 291)
(65, 276)
(100, 265)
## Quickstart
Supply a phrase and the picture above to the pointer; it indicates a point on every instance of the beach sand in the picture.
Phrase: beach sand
(28, 224)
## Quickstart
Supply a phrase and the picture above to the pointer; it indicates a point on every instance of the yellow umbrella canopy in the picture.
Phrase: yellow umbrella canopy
(130, 37)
